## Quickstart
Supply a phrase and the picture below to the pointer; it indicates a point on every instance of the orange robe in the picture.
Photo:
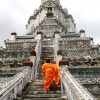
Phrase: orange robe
(52, 73)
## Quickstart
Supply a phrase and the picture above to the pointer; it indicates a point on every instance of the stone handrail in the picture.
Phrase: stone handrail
(13, 86)
(38, 54)
(56, 43)
(73, 89)
(10, 82)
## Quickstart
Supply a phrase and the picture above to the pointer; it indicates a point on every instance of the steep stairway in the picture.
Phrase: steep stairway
(47, 54)
(35, 90)
(47, 50)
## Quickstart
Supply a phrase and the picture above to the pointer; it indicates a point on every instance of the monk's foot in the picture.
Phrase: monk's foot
(54, 87)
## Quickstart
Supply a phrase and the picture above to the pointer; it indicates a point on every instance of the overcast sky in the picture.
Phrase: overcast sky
(14, 15)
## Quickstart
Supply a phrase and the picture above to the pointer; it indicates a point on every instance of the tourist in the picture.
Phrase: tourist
(51, 75)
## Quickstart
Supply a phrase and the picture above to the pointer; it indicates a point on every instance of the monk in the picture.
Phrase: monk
(51, 75)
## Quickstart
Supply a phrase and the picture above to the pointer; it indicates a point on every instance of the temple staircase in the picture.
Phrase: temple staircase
(46, 54)
(35, 90)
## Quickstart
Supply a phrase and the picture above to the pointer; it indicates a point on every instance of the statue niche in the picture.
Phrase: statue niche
(49, 12)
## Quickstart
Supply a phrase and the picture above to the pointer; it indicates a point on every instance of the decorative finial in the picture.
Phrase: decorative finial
(57, 1)
(43, 1)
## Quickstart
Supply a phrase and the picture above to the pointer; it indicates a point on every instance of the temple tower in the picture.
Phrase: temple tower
(50, 17)
(51, 33)
(57, 1)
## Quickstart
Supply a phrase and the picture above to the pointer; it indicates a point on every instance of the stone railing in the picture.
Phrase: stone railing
(14, 85)
(38, 55)
(73, 89)
(56, 43)
(55, 49)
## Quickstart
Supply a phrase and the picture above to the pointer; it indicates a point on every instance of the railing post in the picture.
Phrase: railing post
(39, 35)
(57, 36)
(29, 63)
(32, 73)
(21, 86)
(62, 62)
(62, 88)
(59, 56)
(33, 59)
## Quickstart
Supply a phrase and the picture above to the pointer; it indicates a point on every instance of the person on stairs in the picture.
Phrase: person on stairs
(51, 75)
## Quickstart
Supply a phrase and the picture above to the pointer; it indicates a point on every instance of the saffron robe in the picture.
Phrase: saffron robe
(51, 73)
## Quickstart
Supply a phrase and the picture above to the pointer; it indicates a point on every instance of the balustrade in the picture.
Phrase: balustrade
(73, 89)
(38, 54)
(14, 85)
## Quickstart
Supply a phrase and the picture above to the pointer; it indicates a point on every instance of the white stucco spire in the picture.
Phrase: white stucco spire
(57, 1)
(42, 1)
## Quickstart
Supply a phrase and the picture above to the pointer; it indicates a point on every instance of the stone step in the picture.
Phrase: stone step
(35, 91)
(47, 43)
(42, 92)
(40, 87)
(37, 84)
(41, 99)
(47, 52)
(18, 98)
(51, 58)
(44, 60)
(47, 48)
(46, 55)
(37, 88)
(49, 55)
(42, 96)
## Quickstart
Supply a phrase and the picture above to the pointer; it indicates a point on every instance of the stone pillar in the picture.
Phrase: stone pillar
(57, 34)
(39, 35)
(32, 77)
(63, 62)
(28, 63)
(82, 32)
(91, 41)
(59, 56)
(33, 57)
(12, 38)
(56, 43)
(33, 60)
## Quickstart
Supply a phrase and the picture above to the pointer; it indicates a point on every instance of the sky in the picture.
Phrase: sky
(14, 15)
